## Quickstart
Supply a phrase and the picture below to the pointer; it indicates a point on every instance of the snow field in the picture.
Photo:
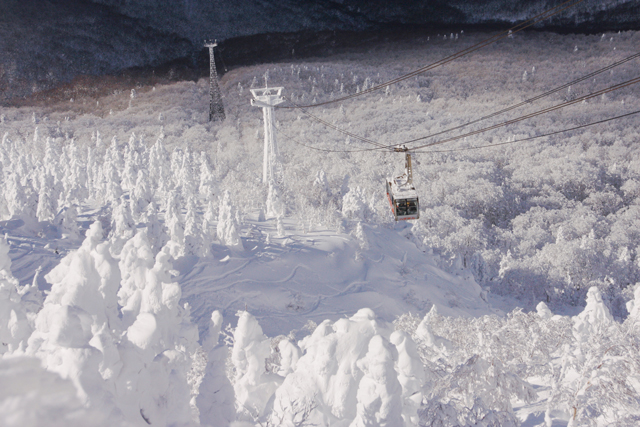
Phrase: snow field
(179, 236)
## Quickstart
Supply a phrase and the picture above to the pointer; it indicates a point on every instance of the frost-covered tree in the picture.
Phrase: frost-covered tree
(596, 380)
(122, 224)
(411, 376)
(187, 179)
(326, 379)
(67, 219)
(156, 231)
(177, 158)
(253, 385)
(209, 231)
(46, 210)
(130, 171)
(136, 259)
(15, 326)
(173, 222)
(379, 392)
(159, 165)
(111, 189)
(354, 205)
(194, 242)
(228, 227)
(16, 196)
(74, 332)
(141, 194)
(34, 396)
(157, 346)
(208, 183)
(216, 400)
(74, 179)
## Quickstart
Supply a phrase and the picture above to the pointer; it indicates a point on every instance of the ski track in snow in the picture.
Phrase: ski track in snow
(317, 278)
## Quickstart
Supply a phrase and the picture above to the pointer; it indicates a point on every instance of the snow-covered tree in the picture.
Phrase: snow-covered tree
(68, 220)
(46, 210)
(187, 179)
(228, 227)
(216, 400)
(210, 232)
(74, 331)
(141, 194)
(194, 242)
(173, 221)
(379, 392)
(208, 184)
(153, 381)
(122, 224)
(156, 232)
(253, 385)
(411, 376)
(15, 327)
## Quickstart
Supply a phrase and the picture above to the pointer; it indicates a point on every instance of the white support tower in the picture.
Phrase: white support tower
(216, 108)
(267, 98)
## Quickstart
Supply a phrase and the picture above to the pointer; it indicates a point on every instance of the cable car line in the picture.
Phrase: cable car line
(531, 137)
(294, 140)
(537, 113)
(498, 125)
(332, 126)
(512, 107)
(535, 98)
(515, 29)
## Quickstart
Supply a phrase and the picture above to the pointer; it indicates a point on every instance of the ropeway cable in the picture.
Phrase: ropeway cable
(531, 137)
(509, 122)
(515, 29)
(535, 98)
(537, 113)
(350, 134)
(512, 107)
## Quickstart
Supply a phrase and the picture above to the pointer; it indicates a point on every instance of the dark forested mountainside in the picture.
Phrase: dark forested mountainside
(44, 43)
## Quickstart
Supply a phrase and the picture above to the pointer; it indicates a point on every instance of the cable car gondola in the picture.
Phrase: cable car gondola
(401, 193)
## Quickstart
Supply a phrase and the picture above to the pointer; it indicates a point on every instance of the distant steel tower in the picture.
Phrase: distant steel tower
(216, 108)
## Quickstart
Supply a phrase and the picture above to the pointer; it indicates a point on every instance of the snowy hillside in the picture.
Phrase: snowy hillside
(148, 277)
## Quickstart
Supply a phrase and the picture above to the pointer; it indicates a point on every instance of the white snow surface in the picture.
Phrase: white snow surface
(323, 275)
(150, 288)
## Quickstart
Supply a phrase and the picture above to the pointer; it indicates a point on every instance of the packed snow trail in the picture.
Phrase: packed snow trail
(322, 275)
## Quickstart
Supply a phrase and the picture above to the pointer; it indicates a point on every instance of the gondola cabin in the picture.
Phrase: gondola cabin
(401, 193)
(403, 199)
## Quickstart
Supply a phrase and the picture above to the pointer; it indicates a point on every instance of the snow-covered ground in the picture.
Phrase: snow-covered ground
(140, 266)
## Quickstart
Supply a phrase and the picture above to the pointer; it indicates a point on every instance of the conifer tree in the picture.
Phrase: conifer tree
(208, 186)
(209, 231)
(187, 178)
(15, 327)
(192, 232)
(46, 209)
(216, 400)
(141, 194)
(173, 221)
(228, 227)
(82, 308)
(122, 225)
(156, 232)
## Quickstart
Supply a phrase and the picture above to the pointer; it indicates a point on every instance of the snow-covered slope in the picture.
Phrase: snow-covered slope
(166, 297)
(320, 275)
